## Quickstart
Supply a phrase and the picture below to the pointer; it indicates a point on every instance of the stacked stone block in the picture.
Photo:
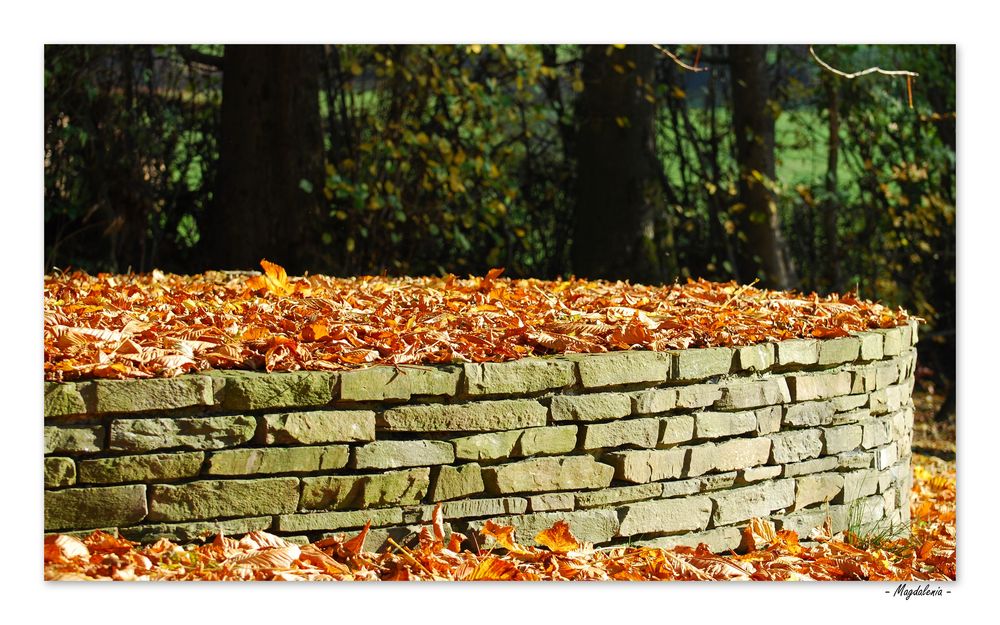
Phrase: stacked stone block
(655, 448)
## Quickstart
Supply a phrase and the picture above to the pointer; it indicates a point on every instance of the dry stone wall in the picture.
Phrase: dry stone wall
(628, 447)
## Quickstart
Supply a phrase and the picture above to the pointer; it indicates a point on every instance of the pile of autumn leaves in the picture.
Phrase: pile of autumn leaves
(928, 553)
(159, 325)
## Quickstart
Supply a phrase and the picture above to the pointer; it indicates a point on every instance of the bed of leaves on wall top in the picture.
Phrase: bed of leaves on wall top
(161, 325)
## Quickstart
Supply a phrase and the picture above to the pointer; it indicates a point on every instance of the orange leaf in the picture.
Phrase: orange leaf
(558, 538)
(493, 569)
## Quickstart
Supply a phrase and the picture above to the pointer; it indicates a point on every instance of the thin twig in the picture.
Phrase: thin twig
(870, 70)
(406, 553)
(681, 63)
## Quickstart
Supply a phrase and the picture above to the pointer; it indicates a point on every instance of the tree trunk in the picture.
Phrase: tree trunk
(764, 253)
(831, 202)
(617, 186)
(271, 159)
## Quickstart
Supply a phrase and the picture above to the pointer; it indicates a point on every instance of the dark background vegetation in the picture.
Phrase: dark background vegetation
(549, 160)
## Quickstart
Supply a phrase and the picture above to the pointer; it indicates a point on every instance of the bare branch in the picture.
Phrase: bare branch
(673, 57)
(189, 54)
(870, 70)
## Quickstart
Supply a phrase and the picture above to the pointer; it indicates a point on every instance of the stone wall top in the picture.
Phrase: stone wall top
(234, 390)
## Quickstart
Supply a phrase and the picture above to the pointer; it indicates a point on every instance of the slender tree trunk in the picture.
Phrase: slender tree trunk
(831, 204)
(764, 253)
(617, 188)
(271, 159)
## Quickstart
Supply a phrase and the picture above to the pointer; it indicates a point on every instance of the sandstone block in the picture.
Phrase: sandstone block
(189, 433)
(479, 416)
(468, 508)
(859, 484)
(819, 386)
(654, 400)
(803, 521)
(277, 460)
(79, 439)
(153, 394)
(758, 474)
(809, 414)
(620, 368)
(723, 424)
(315, 521)
(795, 446)
(88, 508)
(871, 345)
(318, 427)
(548, 474)
(840, 350)
(456, 482)
(755, 357)
(698, 364)
(846, 403)
(252, 390)
(674, 430)
(519, 377)
(489, 446)
(145, 468)
(892, 341)
(390, 383)
(698, 395)
(211, 499)
(797, 352)
(817, 488)
(622, 494)
(63, 398)
(389, 488)
(739, 453)
(59, 472)
(759, 500)
(559, 439)
(647, 465)
(816, 465)
(768, 419)
(665, 517)
(592, 407)
(644, 433)
(551, 502)
(855, 460)
(397, 454)
(740, 395)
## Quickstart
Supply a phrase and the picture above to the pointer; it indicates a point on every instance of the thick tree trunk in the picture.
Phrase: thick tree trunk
(763, 254)
(617, 186)
(271, 159)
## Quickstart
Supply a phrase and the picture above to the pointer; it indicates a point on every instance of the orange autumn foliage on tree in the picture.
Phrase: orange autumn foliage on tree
(159, 325)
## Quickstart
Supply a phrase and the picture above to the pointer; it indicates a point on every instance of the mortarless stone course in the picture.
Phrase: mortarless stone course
(667, 448)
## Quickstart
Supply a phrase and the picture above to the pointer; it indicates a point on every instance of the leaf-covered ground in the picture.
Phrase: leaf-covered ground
(928, 553)
(151, 325)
